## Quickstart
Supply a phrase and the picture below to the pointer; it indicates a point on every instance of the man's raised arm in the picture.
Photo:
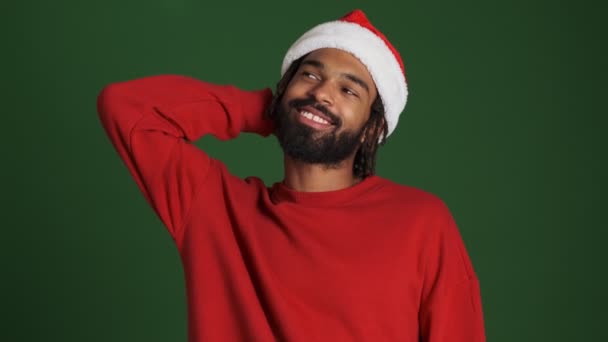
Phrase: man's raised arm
(152, 121)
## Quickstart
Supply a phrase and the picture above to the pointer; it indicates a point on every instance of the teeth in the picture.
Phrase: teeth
(314, 118)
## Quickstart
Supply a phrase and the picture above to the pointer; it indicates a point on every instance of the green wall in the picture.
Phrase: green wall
(504, 122)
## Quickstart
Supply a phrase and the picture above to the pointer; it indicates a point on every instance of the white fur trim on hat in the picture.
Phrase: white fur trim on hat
(370, 50)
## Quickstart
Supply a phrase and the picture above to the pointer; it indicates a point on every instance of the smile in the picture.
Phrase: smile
(314, 117)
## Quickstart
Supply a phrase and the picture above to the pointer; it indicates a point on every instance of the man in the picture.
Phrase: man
(331, 253)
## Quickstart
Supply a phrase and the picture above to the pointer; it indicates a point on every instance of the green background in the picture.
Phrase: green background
(505, 121)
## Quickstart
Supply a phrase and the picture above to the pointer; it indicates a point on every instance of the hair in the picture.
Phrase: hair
(375, 129)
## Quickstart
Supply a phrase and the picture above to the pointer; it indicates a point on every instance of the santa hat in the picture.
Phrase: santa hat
(353, 33)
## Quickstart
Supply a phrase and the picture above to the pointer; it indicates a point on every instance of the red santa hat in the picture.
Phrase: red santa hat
(354, 33)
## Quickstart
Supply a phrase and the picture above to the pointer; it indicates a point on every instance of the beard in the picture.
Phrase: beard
(308, 145)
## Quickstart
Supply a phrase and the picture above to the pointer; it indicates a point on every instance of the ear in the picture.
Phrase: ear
(364, 135)
(373, 130)
(368, 131)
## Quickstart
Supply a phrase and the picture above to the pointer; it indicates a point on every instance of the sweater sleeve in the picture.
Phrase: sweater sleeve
(451, 303)
(152, 123)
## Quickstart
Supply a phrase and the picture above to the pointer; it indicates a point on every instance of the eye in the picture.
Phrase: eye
(310, 75)
(349, 92)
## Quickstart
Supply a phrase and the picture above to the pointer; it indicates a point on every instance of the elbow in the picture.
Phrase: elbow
(109, 101)
(118, 109)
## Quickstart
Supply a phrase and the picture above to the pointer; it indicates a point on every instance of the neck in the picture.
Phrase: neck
(306, 177)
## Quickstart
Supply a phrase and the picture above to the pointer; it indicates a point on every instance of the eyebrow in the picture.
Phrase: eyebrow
(351, 77)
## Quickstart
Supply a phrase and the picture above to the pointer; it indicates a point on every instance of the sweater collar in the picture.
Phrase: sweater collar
(280, 193)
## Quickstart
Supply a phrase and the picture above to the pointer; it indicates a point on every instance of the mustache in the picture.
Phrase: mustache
(299, 103)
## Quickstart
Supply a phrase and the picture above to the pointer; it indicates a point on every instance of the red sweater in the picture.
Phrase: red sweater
(374, 262)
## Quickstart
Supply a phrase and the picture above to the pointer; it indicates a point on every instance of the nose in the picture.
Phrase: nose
(323, 92)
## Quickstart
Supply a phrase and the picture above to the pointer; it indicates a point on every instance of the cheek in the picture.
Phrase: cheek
(295, 88)
(288, 95)
(358, 116)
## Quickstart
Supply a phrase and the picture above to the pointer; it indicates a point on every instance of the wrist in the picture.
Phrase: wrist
(256, 120)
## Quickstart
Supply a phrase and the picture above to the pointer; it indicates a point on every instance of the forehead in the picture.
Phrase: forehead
(341, 62)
